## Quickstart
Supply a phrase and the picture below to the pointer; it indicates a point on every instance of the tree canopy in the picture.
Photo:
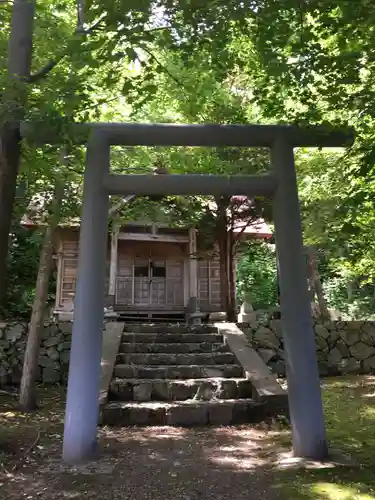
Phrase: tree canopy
(211, 61)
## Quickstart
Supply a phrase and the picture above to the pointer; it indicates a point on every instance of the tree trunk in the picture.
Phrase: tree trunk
(320, 296)
(349, 290)
(27, 399)
(14, 97)
(222, 239)
(10, 149)
(223, 271)
(231, 312)
(316, 285)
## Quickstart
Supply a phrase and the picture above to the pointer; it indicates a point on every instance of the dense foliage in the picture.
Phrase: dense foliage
(213, 61)
(22, 271)
(257, 276)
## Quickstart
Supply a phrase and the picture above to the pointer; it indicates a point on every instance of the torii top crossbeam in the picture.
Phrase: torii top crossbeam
(167, 134)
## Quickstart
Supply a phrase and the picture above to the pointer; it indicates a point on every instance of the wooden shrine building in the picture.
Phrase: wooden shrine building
(152, 270)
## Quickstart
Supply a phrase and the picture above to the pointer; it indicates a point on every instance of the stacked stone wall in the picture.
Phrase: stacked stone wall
(343, 347)
(53, 357)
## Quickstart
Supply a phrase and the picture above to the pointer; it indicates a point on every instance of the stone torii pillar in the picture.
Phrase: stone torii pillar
(306, 411)
(82, 407)
(305, 403)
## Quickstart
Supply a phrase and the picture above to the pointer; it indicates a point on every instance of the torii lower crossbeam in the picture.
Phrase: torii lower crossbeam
(306, 412)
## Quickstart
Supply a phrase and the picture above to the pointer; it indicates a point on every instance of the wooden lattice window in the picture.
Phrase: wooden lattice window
(68, 279)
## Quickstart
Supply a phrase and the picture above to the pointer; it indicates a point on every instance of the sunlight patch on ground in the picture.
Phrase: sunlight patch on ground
(286, 460)
(368, 412)
(243, 457)
(10, 414)
(348, 382)
(144, 434)
(369, 395)
(251, 449)
(330, 491)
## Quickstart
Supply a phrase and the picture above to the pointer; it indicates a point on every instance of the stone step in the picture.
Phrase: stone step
(183, 413)
(167, 338)
(177, 348)
(179, 390)
(165, 328)
(177, 371)
(198, 358)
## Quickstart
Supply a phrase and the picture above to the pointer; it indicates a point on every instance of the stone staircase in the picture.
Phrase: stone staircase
(178, 375)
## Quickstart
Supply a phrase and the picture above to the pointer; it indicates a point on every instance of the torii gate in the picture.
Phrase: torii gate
(306, 411)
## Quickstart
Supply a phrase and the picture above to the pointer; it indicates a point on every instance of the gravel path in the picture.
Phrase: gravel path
(153, 464)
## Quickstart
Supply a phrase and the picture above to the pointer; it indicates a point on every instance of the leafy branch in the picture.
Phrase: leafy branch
(50, 65)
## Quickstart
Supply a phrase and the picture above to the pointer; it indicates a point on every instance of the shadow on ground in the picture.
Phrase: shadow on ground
(188, 464)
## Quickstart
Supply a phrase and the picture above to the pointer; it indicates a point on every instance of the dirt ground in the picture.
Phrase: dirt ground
(135, 463)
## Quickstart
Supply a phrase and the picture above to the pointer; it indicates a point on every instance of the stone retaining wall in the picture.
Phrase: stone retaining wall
(53, 358)
(343, 347)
